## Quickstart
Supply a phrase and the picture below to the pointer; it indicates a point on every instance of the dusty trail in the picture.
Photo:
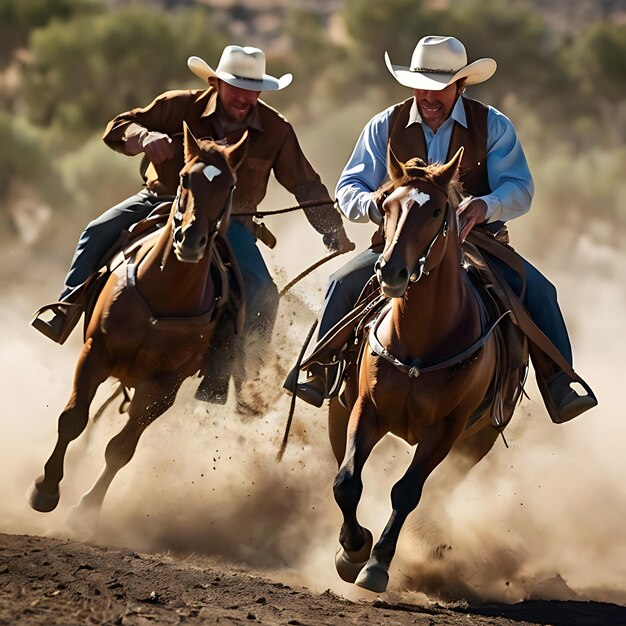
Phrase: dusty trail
(540, 523)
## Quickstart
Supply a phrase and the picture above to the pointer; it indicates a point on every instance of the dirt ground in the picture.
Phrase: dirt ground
(46, 582)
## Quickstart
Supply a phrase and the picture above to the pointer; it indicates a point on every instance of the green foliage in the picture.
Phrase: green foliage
(19, 17)
(314, 61)
(25, 163)
(598, 61)
(88, 70)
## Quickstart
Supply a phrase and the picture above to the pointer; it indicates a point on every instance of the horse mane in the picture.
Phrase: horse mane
(415, 171)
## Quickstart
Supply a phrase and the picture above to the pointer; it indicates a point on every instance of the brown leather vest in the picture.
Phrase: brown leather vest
(407, 143)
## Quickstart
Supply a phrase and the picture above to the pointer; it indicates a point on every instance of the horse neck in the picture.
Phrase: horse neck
(172, 288)
(437, 308)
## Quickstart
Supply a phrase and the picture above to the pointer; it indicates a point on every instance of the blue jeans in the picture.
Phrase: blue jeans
(260, 290)
(540, 298)
(101, 233)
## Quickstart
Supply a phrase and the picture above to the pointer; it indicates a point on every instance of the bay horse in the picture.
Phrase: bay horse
(424, 367)
(153, 320)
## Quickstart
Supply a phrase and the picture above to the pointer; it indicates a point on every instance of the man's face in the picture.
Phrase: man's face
(237, 103)
(435, 106)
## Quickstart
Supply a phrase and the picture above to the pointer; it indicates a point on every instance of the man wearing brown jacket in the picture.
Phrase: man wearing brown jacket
(229, 107)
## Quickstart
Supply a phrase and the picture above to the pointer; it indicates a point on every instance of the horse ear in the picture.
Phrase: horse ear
(394, 166)
(237, 152)
(192, 149)
(445, 175)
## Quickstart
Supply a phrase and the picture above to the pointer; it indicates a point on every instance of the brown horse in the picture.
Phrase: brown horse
(154, 318)
(424, 367)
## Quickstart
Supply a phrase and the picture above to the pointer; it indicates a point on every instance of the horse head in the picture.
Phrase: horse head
(417, 213)
(204, 196)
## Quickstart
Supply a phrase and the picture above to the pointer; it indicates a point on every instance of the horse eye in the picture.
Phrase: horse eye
(436, 212)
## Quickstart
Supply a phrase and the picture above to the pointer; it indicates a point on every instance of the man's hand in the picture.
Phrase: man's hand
(338, 242)
(471, 211)
(157, 146)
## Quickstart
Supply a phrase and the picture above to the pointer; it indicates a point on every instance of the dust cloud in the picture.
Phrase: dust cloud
(543, 518)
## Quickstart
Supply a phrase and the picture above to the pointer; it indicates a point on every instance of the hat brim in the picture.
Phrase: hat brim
(267, 83)
(474, 73)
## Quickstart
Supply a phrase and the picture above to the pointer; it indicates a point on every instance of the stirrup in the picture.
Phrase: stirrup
(60, 322)
(567, 402)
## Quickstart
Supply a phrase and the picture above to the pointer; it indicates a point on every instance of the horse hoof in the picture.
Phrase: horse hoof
(373, 578)
(42, 501)
(349, 564)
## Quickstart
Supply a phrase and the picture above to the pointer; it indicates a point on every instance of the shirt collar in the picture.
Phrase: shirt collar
(254, 121)
(457, 114)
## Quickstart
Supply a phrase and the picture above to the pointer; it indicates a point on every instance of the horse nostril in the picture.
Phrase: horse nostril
(202, 242)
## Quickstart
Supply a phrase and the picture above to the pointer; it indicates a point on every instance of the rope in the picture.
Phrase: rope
(303, 205)
(311, 268)
(292, 406)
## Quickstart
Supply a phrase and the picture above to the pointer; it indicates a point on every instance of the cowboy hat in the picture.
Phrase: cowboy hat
(240, 67)
(439, 61)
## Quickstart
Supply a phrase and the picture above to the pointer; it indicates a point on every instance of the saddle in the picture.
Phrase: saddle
(515, 333)
(83, 298)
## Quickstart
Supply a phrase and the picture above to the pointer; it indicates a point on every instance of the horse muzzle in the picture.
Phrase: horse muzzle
(187, 247)
(393, 278)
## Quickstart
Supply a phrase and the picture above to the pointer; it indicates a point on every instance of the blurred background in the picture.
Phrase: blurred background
(68, 66)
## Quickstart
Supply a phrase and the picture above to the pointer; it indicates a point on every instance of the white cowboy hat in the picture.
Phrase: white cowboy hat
(439, 61)
(240, 67)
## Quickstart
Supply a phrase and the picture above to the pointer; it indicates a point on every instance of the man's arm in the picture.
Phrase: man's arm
(149, 129)
(365, 171)
(294, 172)
(507, 170)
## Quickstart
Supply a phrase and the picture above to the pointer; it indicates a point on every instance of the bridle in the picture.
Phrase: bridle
(420, 270)
(179, 212)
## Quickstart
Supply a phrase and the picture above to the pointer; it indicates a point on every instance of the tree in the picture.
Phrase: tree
(18, 18)
(87, 70)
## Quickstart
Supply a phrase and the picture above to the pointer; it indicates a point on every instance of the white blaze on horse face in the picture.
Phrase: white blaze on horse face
(210, 171)
(418, 196)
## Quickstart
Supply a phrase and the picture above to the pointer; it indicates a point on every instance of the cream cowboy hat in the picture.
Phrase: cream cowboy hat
(439, 61)
(240, 67)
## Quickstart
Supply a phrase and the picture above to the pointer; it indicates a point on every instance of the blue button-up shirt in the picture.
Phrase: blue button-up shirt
(507, 170)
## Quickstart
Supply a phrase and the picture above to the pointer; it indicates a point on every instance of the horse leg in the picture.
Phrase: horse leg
(338, 418)
(405, 496)
(428, 527)
(356, 541)
(91, 370)
(151, 399)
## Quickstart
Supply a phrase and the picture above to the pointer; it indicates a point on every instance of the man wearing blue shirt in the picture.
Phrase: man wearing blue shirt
(432, 125)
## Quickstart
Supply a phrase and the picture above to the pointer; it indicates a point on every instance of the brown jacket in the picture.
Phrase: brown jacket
(272, 146)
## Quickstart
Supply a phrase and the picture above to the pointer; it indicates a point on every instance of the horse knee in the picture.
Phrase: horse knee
(406, 494)
(72, 422)
(347, 488)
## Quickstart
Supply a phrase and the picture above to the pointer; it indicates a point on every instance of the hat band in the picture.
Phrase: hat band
(428, 70)
(255, 80)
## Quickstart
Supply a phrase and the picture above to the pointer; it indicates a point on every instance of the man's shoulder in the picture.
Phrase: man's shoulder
(272, 115)
(184, 94)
